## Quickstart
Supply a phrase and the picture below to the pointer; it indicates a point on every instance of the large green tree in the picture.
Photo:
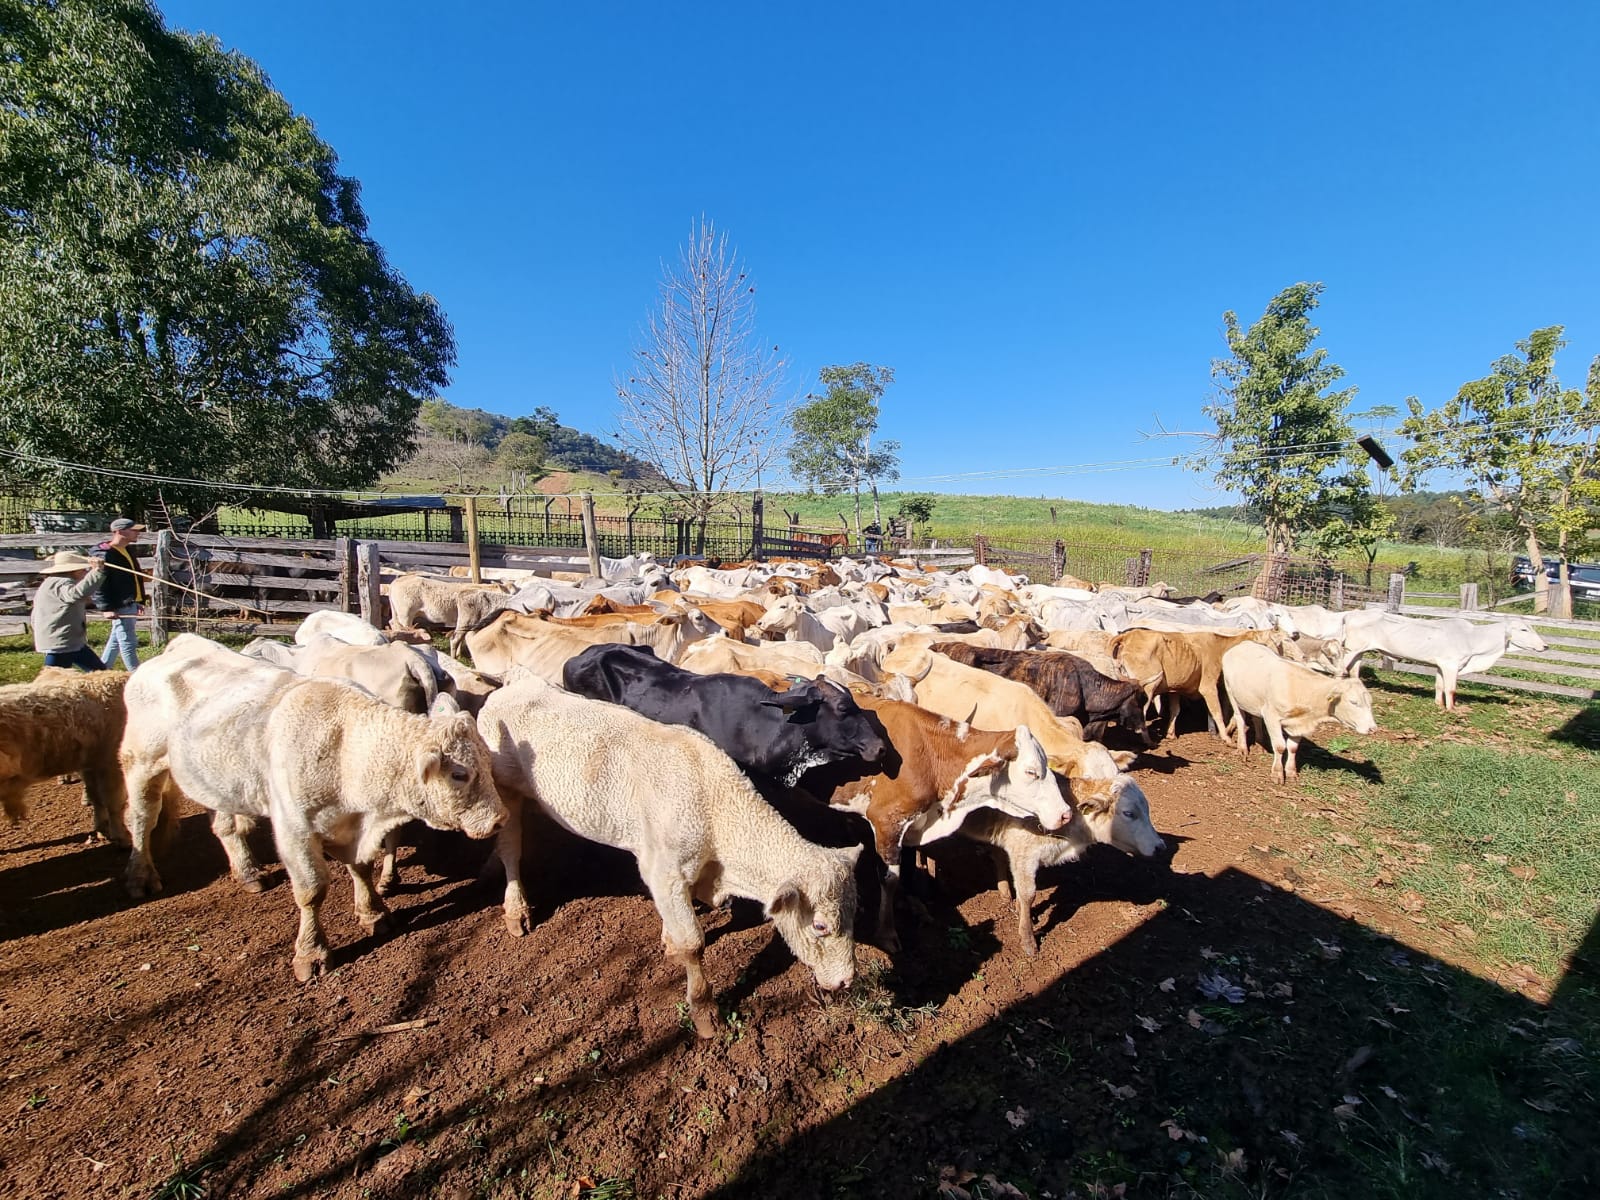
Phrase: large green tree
(187, 284)
(1526, 442)
(1283, 440)
(832, 449)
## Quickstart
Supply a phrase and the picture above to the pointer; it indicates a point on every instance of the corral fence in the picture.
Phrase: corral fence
(1278, 578)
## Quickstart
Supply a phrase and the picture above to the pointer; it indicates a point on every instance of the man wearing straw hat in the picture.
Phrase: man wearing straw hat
(120, 592)
(60, 611)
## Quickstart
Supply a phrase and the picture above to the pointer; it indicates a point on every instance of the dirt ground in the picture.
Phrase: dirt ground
(164, 1048)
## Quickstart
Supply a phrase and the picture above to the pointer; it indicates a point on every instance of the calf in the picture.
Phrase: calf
(1070, 686)
(937, 772)
(1119, 816)
(65, 721)
(417, 601)
(1290, 700)
(683, 810)
(778, 736)
(333, 768)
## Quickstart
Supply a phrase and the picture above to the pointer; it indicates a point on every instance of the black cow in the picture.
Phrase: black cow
(778, 735)
(1070, 686)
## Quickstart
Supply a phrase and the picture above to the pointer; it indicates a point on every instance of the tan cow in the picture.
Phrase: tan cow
(544, 645)
(1290, 701)
(1187, 664)
(65, 721)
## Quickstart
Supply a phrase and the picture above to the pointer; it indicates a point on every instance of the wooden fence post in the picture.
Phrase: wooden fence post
(1145, 557)
(1336, 593)
(457, 533)
(1058, 560)
(369, 584)
(1469, 597)
(474, 559)
(161, 591)
(1397, 592)
(591, 537)
(980, 550)
(344, 553)
(757, 525)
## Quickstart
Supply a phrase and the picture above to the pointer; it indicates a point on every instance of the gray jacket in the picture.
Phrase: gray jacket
(60, 611)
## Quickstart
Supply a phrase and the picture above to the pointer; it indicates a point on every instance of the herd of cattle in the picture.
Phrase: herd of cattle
(679, 715)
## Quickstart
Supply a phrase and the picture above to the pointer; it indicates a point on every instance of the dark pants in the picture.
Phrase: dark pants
(83, 658)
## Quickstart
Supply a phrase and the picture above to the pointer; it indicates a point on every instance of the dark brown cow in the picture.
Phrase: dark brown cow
(1070, 686)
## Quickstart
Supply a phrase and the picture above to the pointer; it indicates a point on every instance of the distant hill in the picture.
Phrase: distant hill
(566, 448)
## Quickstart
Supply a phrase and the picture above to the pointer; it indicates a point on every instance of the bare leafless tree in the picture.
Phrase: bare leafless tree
(702, 403)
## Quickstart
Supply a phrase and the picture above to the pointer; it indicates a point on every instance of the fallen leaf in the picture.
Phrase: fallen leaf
(1168, 984)
(1344, 1111)
(1291, 1137)
(1173, 1131)
(1496, 860)
(1128, 1048)
(1207, 953)
(1359, 1059)
(1119, 1093)
(1412, 901)
(1151, 1025)
(1217, 987)
(1390, 1092)
(1195, 1019)
(1523, 872)
(1330, 950)
(1017, 1117)
(1344, 839)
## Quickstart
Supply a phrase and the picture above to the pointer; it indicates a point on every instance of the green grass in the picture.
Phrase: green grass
(19, 663)
(1490, 815)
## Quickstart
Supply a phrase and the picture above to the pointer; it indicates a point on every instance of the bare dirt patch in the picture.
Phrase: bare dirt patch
(1233, 1024)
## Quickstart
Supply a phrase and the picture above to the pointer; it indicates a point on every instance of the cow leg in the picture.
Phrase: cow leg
(1275, 733)
(1002, 871)
(144, 788)
(388, 873)
(1024, 879)
(103, 787)
(888, 936)
(458, 641)
(1444, 689)
(684, 940)
(508, 849)
(1291, 770)
(1213, 699)
(1239, 722)
(1350, 660)
(308, 874)
(1177, 707)
(371, 911)
(11, 799)
(230, 831)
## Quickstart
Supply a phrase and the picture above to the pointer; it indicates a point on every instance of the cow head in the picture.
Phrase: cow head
(1521, 636)
(1350, 704)
(1116, 813)
(815, 913)
(783, 617)
(1016, 779)
(835, 727)
(452, 766)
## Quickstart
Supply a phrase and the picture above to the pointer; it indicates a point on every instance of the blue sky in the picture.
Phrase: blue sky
(1035, 213)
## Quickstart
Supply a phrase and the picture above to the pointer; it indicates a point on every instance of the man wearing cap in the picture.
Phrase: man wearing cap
(60, 611)
(121, 592)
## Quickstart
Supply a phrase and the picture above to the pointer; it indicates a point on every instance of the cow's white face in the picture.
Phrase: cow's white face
(1026, 788)
(1352, 706)
(454, 769)
(1521, 636)
(783, 614)
(816, 917)
(1118, 814)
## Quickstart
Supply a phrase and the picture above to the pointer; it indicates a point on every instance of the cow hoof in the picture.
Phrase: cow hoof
(307, 969)
(705, 1025)
(380, 925)
(253, 885)
(383, 886)
(518, 924)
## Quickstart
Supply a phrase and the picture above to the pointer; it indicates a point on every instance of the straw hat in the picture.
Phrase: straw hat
(65, 562)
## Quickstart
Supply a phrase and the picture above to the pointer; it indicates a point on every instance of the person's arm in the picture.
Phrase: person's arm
(86, 585)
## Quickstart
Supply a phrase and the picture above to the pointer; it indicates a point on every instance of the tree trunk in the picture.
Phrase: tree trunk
(877, 514)
(1541, 581)
(858, 512)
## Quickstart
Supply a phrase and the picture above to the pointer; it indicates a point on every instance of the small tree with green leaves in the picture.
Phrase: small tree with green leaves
(1526, 442)
(832, 449)
(1283, 439)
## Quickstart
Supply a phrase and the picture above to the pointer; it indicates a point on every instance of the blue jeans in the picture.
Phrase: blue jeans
(124, 637)
(83, 658)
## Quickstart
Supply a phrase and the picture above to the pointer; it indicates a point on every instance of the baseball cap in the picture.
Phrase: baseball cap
(122, 523)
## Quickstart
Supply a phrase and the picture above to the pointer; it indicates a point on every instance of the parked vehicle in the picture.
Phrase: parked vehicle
(1584, 577)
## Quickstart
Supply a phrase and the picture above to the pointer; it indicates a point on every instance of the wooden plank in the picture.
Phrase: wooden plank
(345, 555)
(12, 626)
(475, 563)
(219, 542)
(457, 549)
(1591, 659)
(1516, 685)
(1540, 667)
(1577, 643)
(52, 541)
(211, 580)
(324, 562)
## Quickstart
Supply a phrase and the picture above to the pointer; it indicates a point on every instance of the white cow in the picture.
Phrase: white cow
(1456, 646)
(683, 809)
(1289, 700)
(788, 619)
(347, 627)
(333, 768)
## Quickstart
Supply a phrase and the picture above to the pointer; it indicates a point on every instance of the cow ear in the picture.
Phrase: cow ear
(801, 695)
(429, 764)
(1123, 758)
(788, 899)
